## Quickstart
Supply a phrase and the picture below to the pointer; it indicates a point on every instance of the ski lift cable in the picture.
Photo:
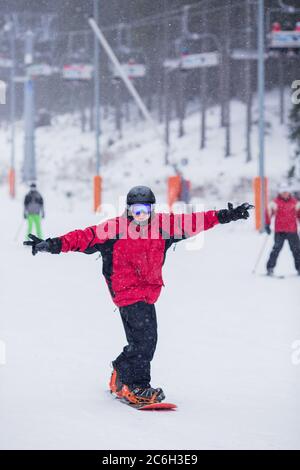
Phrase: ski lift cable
(147, 20)
(233, 6)
(175, 14)
(288, 8)
(161, 17)
(195, 10)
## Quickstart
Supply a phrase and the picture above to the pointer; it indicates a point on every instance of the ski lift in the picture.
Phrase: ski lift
(285, 39)
(78, 67)
(5, 59)
(187, 49)
(191, 57)
(132, 59)
(42, 65)
(44, 27)
(188, 46)
(5, 52)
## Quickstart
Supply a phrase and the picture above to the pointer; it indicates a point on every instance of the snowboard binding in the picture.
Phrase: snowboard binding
(134, 395)
(115, 384)
(142, 396)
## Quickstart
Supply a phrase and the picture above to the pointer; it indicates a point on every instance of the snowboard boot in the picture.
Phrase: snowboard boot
(142, 395)
(115, 384)
(270, 272)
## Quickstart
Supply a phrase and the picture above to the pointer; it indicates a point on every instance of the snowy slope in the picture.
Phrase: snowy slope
(224, 352)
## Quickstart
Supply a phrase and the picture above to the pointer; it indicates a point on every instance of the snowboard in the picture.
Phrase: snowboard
(155, 407)
(151, 407)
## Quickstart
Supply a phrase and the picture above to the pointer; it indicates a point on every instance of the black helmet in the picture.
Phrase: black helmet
(140, 194)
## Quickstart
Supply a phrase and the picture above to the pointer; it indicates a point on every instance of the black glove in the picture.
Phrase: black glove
(240, 212)
(268, 229)
(51, 245)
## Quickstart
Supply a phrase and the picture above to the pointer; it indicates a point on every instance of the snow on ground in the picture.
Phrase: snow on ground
(224, 352)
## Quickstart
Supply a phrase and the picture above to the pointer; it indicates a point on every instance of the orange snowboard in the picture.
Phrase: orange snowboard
(156, 407)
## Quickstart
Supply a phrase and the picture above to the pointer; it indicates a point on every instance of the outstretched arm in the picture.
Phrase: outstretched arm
(77, 240)
(188, 225)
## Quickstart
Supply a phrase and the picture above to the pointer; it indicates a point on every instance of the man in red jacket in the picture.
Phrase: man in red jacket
(286, 210)
(133, 248)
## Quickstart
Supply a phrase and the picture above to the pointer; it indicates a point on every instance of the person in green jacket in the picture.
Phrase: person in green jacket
(34, 210)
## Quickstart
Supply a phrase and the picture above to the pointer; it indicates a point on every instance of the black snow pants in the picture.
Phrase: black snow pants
(133, 364)
(294, 242)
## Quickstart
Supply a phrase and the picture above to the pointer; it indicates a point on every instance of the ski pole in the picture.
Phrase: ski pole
(19, 230)
(261, 253)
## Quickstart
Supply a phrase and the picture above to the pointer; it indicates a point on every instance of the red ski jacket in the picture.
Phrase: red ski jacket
(133, 255)
(286, 212)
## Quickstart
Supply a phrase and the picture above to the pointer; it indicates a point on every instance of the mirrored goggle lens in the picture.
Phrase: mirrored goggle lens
(138, 209)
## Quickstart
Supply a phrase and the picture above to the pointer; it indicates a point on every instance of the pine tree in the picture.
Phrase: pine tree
(294, 127)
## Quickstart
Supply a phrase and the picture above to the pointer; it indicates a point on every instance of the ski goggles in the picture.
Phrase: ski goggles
(138, 209)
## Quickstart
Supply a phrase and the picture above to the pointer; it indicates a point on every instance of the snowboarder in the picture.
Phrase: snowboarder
(286, 210)
(133, 248)
(34, 210)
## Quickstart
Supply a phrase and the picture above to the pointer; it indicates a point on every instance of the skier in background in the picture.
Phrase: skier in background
(34, 210)
(286, 210)
(133, 248)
